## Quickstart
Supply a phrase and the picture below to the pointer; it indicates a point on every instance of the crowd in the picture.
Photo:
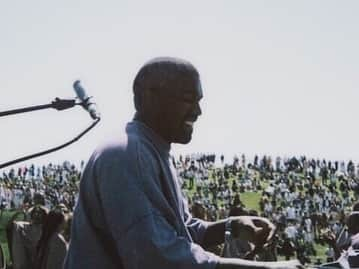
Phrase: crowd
(57, 184)
(43, 199)
(307, 199)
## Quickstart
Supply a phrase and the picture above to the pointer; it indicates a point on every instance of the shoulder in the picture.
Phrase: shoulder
(118, 147)
(119, 150)
(127, 154)
(129, 147)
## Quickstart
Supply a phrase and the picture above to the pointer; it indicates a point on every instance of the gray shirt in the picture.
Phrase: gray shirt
(131, 213)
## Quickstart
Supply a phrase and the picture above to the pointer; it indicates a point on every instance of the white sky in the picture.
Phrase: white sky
(279, 77)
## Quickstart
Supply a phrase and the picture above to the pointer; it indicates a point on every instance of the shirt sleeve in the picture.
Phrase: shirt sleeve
(196, 227)
(153, 243)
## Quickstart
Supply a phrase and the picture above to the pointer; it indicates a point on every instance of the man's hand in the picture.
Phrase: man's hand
(256, 230)
(330, 238)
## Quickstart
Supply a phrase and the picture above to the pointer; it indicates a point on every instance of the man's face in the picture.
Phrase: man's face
(180, 109)
(37, 216)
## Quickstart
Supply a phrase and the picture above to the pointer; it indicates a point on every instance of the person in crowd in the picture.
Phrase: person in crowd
(343, 241)
(25, 236)
(52, 246)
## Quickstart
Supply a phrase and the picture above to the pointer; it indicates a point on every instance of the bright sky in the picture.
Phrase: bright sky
(279, 77)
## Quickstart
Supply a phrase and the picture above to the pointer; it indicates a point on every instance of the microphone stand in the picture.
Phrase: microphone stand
(58, 104)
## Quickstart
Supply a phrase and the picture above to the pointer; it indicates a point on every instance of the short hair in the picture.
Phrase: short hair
(38, 209)
(160, 73)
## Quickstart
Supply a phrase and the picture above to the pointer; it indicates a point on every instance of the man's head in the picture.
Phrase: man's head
(167, 92)
(38, 214)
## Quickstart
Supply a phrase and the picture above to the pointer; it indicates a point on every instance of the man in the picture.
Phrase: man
(348, 257)
(24, 236)
(130, 212)
(346, 237)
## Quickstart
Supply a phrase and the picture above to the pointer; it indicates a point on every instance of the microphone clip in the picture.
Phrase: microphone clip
(62, 104)
(86, 102)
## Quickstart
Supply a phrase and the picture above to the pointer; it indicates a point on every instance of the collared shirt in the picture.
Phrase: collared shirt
(130, 201)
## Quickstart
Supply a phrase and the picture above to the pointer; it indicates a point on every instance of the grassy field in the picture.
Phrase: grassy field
(251, 200)
(4, 220)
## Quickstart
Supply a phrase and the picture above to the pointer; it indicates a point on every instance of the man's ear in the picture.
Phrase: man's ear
(142, 100)
(153, 98)
(150, 102)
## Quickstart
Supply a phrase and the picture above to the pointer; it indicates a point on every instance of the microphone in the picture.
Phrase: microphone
(85, 100)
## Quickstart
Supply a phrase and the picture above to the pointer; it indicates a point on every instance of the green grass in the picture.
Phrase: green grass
(320, 253)
(4, 220)
(251, 200)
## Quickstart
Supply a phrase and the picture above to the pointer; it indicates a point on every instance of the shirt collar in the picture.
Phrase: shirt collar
(139, 127)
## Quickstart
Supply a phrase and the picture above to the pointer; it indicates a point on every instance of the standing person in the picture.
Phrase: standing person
(52, 246)
(130, 212)
(24, 237)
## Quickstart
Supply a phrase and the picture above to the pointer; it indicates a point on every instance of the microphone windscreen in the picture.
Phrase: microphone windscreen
(80, 92)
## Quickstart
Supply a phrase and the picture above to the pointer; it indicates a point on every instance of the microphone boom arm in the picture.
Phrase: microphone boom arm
(58, 104)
